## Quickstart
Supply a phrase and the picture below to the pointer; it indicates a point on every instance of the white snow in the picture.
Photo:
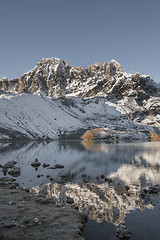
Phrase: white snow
(43, 117)
(38, 116)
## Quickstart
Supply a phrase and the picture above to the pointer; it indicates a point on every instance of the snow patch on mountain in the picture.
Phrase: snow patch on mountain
(54, 99)
(43, 117)
(34, 116)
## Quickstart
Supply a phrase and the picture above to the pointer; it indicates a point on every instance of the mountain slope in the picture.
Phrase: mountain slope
(34, 117)
(54, 100)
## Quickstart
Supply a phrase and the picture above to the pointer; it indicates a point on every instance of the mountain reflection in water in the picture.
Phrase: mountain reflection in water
(106, 181)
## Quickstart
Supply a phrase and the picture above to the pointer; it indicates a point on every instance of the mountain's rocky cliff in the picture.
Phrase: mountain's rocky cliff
(133, 95)
(56, 78)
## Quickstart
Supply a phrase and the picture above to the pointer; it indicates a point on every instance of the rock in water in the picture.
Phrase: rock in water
(15, 172)
(36, 163)
(123, 232)
(70, 200)
(56, 166)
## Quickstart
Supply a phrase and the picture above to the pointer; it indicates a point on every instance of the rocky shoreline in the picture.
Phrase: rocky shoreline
(26, 216)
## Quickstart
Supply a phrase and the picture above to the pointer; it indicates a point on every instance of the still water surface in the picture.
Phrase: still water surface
(105, 180)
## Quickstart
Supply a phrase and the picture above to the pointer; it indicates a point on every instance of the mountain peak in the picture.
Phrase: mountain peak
(56, 78)
(112, 90)
(49, 60)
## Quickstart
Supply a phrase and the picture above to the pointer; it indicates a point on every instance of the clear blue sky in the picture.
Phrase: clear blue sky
(81, 32)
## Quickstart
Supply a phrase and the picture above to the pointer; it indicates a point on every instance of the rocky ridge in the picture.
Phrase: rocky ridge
(56, 78)
(133, 95)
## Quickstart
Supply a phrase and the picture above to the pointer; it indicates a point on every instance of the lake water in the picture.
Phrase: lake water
(105, 180)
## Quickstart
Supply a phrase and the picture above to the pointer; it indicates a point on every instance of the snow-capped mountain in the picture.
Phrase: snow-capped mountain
(55, 100)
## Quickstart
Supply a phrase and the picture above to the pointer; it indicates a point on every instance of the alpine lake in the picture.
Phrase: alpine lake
(117, 185)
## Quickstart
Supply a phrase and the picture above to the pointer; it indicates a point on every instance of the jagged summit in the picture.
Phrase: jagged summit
(56, 78)
(80, 99)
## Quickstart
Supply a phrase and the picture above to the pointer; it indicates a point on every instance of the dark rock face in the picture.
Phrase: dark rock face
(56, 78)
(48, 75)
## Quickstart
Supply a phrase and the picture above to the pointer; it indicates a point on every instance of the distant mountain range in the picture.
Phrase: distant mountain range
(54, 101)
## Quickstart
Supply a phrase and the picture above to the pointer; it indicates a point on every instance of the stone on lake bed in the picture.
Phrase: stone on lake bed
(10, 164)
(5, 170)
(11, 203)
(155, 191)
(108, 180)
(26, 221)
(127, 187)
(123, 232)
(46, 165)
(14, 172)
(70, 200)
(59, 166)
(36, 220)
(35, 163)
(45, 200)
(51, 167)
(56, 166)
